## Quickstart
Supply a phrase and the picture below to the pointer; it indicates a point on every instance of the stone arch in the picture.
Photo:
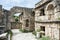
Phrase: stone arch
(27, 22)
(50, 7)
(33, 13)
(50, 11)
(53, 3)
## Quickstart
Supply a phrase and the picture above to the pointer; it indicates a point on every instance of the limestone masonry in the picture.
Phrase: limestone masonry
(45, 16)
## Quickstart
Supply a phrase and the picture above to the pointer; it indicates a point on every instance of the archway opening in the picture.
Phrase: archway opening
(27, 23)
(50, 7)
(50, 11)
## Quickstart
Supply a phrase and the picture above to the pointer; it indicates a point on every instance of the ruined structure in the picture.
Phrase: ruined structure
(25, 18)
(4, 14)
(47, 18)
(4, 22)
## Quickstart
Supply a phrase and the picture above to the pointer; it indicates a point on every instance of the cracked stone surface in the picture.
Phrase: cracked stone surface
(17, 35)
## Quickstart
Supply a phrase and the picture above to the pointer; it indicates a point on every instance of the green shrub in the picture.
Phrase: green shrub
(20, 30)
(58, 18)
(24, 30)
(11, 35)
(30, 30)
(10, 32)
(38, 30)
(16, 18)
(34, 33)
(45, 38)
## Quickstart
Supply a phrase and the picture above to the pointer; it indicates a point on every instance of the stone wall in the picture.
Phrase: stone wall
(51, 29)
(26, 14)
(51, 11)
(2, 20)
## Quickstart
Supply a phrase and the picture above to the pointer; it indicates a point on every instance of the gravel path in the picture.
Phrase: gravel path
(17, 35)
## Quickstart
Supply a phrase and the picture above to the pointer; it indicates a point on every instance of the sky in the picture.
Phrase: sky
(7, 4)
